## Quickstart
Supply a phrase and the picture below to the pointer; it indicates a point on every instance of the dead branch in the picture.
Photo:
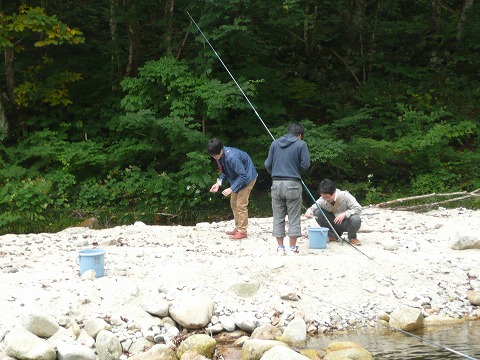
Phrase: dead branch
(419, 197)
(465, 195)
(347, 66)
(415, 207)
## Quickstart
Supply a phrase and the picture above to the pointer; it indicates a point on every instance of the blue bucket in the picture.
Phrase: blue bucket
(92, 259)
(317, 237)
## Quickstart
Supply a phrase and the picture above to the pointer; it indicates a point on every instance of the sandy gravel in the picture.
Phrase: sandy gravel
(406, 259)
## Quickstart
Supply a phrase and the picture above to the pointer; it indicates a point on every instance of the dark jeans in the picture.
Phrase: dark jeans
(350, 225)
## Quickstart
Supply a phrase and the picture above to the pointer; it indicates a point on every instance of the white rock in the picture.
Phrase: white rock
(22, 344)
(228, 322)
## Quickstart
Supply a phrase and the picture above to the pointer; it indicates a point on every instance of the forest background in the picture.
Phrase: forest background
(107, 105)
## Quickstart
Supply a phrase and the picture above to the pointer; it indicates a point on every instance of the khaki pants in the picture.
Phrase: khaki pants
(239, 205)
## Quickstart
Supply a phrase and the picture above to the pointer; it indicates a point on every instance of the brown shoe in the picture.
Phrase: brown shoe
(239, 235)
(330, 239)
(355, 242)
(233, 232)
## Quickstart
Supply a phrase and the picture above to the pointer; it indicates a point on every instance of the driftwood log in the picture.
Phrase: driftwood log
(460, 195)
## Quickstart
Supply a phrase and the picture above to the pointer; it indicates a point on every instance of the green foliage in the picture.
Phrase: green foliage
(39, 83)
(33, 199)
(324, 148)
(51, 90)
(26, 200)
(409, 149)
(389, 103)
(34, 20)
(364, 191)
(441, 181)
(51, 150)
(167, 88)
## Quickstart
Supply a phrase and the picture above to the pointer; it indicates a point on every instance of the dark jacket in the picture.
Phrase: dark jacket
(288, 157)
(238, 168)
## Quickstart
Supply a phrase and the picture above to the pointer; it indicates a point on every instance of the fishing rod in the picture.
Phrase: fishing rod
(313, 198)
(273, 138)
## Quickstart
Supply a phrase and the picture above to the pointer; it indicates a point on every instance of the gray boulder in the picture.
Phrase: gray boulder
(463, 242)
(246, 321)
(108, 346)
(22, 344)
(192, 312)
(93, 326)
(156, 306)
(473, 297)
(352, 353)
(295, 333)
(254, 349)
(199, 343)
(408, 319)
(266, 332)
(282, 353)
(74, 352)
(245, 289)
(156, 352)
(40, 324)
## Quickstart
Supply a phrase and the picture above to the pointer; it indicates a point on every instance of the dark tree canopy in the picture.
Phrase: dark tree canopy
(107, 105)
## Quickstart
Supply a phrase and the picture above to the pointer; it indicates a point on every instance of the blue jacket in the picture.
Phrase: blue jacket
(288, 157)
(238, 168)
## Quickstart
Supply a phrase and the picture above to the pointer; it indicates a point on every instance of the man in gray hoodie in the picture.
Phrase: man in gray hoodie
(288, 157)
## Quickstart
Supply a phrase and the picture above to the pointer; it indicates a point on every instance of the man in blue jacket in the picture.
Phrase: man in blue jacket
(236, 166)
(288, 157)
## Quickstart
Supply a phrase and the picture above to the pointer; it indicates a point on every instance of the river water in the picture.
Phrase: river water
(385, 344)
(389, 345)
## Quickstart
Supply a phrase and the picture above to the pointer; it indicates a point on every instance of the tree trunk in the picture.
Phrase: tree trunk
(10, 82)
(169, 8)
(357, 20)
(9, 74)
(353, 40)
(309, 27)
(309, 67)
(133, 29)
(435, 16)
(463, 19)
(3, 119)
(116, 59)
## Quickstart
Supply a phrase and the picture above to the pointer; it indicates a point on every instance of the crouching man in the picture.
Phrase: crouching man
(340, 208)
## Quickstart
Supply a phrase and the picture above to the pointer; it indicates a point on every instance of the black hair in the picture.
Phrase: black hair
(295, 129)
(327, 187)
(214, 146)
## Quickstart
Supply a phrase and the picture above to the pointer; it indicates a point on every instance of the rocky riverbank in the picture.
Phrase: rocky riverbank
(160, 280)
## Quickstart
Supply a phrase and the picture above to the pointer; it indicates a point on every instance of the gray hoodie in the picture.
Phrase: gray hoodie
(288, 157)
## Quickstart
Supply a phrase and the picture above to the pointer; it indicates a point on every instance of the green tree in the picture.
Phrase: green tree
(31, 26)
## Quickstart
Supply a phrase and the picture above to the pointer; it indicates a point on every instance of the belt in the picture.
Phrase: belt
(277, 178)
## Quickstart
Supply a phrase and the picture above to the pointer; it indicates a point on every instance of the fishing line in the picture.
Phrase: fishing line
(229, 73)
(273, 138)
(397, 329)
(313, 198)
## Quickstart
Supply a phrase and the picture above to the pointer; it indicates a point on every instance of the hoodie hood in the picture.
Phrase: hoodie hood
(287, 140)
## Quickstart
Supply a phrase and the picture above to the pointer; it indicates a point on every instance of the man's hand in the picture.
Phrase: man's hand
(214, 188)
(227, 192)
(308, 215)
(339, 218)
